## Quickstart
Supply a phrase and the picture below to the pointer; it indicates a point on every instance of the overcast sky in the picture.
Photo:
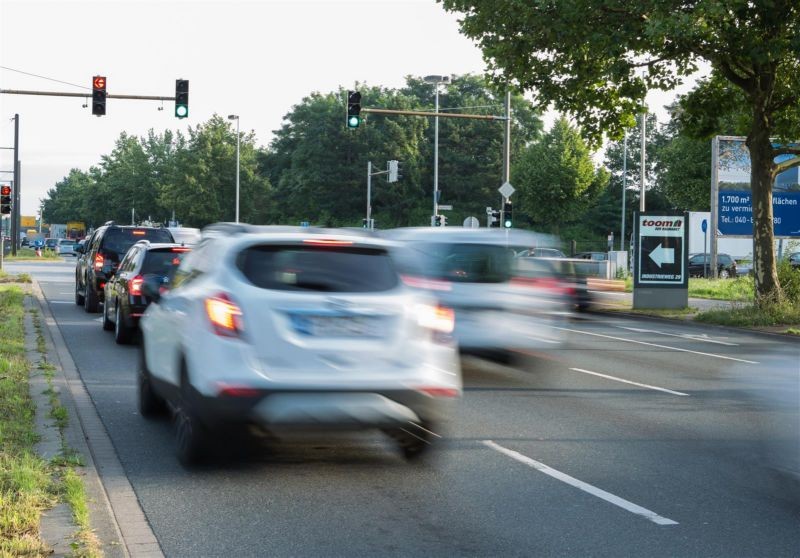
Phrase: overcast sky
(255, 59)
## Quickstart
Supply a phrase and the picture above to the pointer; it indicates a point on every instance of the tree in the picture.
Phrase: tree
(597, 60)
(556, 178)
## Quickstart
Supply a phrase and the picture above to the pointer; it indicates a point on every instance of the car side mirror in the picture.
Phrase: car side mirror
(152, 287)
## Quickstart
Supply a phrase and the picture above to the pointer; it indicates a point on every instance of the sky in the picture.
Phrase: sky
(256, 59)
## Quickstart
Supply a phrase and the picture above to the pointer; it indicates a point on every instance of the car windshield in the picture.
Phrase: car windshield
(117, 241)
(339, 269)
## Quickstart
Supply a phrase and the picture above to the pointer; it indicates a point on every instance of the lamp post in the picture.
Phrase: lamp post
(436, 80)
(236, 117)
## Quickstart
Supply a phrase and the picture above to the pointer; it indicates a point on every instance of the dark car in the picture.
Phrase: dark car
(794, 260)
(594, 256)
(541, 253)
(700, 265)
(51, 244)
(100, 256)
(572, 281)
(124, 300)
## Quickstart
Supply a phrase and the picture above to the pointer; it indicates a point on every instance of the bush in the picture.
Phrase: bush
(789, 279)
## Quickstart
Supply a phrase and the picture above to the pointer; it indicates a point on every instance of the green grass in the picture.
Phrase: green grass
(14, 278)
(784, 314)
(30, 254)
(26, 485)
(739, 289)
(793, 331)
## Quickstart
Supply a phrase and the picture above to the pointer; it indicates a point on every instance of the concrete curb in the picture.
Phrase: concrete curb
(115, 512)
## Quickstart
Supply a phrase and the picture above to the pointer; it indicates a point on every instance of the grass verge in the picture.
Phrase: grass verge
(14, 278)
(26, 484)
(30, 254)
(784, 314)
(740, 289)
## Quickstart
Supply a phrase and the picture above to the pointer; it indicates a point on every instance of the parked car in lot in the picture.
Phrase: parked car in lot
(124, 301)
(541, 253)
(66, 246)
(700, 264)
(498, 310)
(285, 328)
(99, 257)
(594, 256)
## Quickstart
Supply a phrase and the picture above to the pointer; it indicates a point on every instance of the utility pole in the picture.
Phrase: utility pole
(15, 193)
(643, 160)
(624, 188)
(507, 148)
(369, 194)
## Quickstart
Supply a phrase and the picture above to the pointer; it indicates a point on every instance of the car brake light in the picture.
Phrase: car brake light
(225, 316)
(99, 260)
(327, 242)
(436, 318)
(425, 283)
(139, 233)
(181, 249)
(135, 285)
(439, 391)
(233, 390)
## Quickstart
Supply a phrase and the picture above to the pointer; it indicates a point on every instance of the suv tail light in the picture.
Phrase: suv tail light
(99, 260)
(225, 316)
(135, 285)
(437, 318)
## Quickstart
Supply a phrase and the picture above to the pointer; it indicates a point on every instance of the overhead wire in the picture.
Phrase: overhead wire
(43, 77)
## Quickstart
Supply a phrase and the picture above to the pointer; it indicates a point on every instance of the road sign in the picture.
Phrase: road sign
(27, 221)
(446, 207)
(506, 190)
(471, 223)
(704, 225)
(661, 255)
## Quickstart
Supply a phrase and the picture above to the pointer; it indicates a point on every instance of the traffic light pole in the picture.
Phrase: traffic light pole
(370, 174)
(85, 95)
(15, 193)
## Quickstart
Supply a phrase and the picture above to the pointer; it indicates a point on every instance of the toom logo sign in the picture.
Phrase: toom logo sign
(662, 224)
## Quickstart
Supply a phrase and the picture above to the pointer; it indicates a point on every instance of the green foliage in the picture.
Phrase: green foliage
(789, 278)
(751, 315)
(739, 289)
(556, 178)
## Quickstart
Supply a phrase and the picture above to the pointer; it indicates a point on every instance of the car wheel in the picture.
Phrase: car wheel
(191, 436)
(90, 302)
(108, 325)
(723, 274)
(79, 299)
(414, 440)
(150, 404)
(122, 332)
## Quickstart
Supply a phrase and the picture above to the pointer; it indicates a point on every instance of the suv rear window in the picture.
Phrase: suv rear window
(333, 269)
(162, 261)
(462, 263)
(117, 241)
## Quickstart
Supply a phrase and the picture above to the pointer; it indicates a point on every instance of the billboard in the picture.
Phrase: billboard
(27, 221)
(731, 193)
(661, 254)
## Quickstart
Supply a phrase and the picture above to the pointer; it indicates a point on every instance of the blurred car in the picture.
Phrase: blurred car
(99, 257)
(541, 253)
(700, 264)
(66, 246)
(498, 309)
(185, 235)
(124, 301)
(595, 256)
(51, 244)
(572, 281)
(286, 328)
(25, 242)
(794, 260)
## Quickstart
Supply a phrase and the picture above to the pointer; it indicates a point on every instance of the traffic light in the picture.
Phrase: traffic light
(508, 215)
(494, 218)
(5, 199)
(364, 223)
(394, 171)
(437, 221)
(353, 109)
(99, 95)
(181, 98)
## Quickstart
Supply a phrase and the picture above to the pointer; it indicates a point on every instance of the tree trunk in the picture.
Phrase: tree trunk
(761, 162)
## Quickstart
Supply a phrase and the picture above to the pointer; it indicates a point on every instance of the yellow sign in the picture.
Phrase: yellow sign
(27, 221)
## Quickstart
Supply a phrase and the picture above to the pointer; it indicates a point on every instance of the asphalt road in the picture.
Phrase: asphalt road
(556, 456)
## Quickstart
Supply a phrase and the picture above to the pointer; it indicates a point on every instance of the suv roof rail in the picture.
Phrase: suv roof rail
(109, 223)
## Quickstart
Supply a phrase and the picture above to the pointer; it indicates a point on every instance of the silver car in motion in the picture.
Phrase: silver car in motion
(285, 329)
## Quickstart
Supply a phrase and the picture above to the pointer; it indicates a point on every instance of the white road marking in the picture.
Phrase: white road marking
(572, 481)
(689, 336)
(61, 301)
(657, 345)
(628, 381)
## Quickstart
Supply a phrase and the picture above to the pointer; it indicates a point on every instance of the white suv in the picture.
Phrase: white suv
(284, 328)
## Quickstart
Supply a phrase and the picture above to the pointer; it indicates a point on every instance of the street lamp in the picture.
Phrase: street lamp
(436, 80)
(236, 117)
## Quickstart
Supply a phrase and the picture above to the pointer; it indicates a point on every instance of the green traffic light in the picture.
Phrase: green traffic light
(181, 111)
(353, 122)
(508, 223)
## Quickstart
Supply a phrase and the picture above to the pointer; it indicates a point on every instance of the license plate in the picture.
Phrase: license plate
(335, 326)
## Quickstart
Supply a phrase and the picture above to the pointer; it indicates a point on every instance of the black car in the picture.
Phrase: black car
(124, 300)
(794, 260)
(101, 254)
(594, 256)
(700, 265)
